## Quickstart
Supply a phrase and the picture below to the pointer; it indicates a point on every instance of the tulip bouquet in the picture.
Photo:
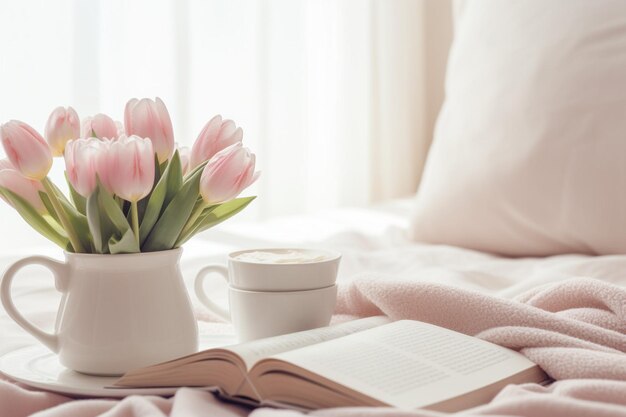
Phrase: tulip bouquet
(130, 188)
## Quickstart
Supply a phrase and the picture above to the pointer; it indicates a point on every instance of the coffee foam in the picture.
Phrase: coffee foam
(282, 256)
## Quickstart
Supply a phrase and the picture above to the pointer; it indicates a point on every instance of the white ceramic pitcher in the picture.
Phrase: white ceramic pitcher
(118, 312)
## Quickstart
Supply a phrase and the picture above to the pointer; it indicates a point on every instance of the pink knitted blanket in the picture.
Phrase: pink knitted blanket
(575, 330)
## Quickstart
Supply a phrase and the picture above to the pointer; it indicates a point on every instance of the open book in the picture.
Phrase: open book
(372, 361)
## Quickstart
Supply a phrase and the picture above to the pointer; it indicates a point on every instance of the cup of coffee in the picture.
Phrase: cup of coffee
(275, 291)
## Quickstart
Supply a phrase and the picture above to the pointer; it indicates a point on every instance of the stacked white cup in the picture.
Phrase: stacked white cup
(275, 291)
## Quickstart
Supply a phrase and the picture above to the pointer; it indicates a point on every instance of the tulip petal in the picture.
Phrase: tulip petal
(216, 136)
(237, 136)
(150, 119)
(227, 129)
(62, 126)
(129, 167)
(166, 123)
(227, 174)
(100, 125)
(6, 164)
(184, 152)
(26, 188)
(83, 160)
(26, 149)
(127, 112)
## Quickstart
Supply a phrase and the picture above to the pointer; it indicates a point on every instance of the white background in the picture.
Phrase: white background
(334, 97)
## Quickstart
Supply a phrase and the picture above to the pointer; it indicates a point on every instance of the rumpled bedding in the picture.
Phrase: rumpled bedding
(566, 313)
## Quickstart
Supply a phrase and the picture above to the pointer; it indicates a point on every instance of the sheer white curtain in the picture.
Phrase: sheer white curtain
(335, 97)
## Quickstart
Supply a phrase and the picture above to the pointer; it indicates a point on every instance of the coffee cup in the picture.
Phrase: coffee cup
(259, 314)
(275, 291)
(278, 269)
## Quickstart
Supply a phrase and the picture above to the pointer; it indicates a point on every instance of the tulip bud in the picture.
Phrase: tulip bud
(26, 188)
(215, 136)
(227, 174)
(149, 119)
(184, 153)
(26, 149)
(63, 125)
(101, 125)
(82, 160)
(128, 167)
(120, 129)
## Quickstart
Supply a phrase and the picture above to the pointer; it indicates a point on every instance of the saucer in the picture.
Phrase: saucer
(34, 365)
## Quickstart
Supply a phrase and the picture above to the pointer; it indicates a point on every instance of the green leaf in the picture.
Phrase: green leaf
(205, 212)
(108, 225)
(190, 230)
(100, 225)
(161, 167)
(48, 205)
(167, 229)
(59, 193)
(195, 170)
(125, 244)
(79, 223)
(142, 204)
(225, 211)
(174, 178)
(214, 215)
(111, 208)
(154, 206)
(157, 169)
(55, 225)
(153, 209)
(158, 197)
(34, 219)
(79, 201)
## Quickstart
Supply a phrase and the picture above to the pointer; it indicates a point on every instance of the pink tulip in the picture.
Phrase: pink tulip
(101, 125)
(82, 160)
(227, 174)
(63, 125)
(215, 136)
(184, 153)
(128, 167)
(6, 164)
(26, 149)
(150, 119)
(120, 128)
(26, 188)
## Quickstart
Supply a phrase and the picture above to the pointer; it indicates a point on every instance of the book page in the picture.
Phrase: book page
(251, 352)
(409, 364)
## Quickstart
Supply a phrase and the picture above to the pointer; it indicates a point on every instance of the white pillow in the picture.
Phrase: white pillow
(529, 153)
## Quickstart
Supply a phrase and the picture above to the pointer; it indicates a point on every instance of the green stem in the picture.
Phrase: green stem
(134, 213)
(194, 171)
(194, 216)
(119, 202)
(71, 233)
(185, 236)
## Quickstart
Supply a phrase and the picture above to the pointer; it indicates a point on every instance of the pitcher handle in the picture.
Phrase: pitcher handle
(199, 289)
(59, 270)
